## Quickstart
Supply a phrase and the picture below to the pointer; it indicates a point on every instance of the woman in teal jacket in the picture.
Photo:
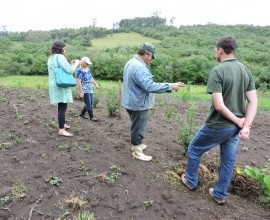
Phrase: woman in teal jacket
(59, 95)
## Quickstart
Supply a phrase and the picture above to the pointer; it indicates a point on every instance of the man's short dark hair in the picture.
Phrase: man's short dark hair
(147, 48)
(228, 44)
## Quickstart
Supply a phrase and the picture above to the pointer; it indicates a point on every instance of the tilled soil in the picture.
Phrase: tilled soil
(96, 165)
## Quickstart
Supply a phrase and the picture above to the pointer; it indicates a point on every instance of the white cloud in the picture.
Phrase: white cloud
(23, 15)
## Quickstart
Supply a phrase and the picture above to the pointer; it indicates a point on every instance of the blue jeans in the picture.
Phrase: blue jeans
(138, 125)
(88, 99)
(205, 139)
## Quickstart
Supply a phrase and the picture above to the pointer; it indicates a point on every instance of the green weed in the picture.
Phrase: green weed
(148, 202)
(189, 128)
(54, 180)
(170, 112)
(186, 94)
(5, 200)
(111, 101)
(64, 147)
(261, 175)
(85, 216)
(96, 99)
(14, 138)
(115, 172)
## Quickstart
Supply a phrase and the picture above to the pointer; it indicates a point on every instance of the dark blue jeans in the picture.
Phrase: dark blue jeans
(204, 140)
(88, 99)
(138, 125)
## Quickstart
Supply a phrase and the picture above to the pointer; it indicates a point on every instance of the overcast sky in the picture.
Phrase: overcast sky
(24, 15)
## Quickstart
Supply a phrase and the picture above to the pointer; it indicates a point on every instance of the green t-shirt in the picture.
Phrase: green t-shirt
(233, 80)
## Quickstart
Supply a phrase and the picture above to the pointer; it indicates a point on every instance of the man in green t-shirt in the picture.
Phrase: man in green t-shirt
(233, 109)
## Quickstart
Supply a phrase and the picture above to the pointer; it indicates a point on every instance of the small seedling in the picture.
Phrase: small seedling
(5, 200)
(54, 180)
(148, 203)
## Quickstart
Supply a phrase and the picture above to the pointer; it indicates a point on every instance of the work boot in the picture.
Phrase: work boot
(83, 113)
(141, 146)
(91, 115)
(138, 153)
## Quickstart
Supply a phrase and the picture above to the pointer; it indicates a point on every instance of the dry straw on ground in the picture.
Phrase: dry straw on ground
(241, 185)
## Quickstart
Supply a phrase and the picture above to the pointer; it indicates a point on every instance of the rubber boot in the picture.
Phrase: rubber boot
(83, 113)
(91, 115)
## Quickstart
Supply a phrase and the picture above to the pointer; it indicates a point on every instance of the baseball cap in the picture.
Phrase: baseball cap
(86, 60)
(151, 48)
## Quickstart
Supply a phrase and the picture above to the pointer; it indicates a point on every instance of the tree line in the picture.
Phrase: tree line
(184, 53)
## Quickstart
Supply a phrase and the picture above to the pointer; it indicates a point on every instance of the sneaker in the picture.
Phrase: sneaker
(217, 200)
(140, 147)
(141, 156)
(185, 182)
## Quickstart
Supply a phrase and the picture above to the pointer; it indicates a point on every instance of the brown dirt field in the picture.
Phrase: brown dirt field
(96, 164)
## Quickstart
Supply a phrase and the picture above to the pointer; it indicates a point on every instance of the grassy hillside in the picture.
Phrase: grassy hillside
(122, 40)
(184, 54)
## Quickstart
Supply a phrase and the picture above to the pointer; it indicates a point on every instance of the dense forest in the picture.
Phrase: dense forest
(184, 53)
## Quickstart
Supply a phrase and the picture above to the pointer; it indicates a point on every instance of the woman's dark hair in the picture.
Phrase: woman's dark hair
(228, 44)
(57, 47)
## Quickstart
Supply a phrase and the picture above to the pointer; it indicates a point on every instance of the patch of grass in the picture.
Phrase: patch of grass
(190, 92)
(85, 147)
(80, 167)
(33, 82)
(18, 190)
(121, 39)
(14, 138)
